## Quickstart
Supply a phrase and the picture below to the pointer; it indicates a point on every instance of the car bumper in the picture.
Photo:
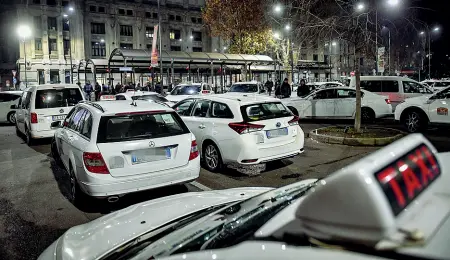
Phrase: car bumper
(249, 150)
(42, 134)
(106, 185)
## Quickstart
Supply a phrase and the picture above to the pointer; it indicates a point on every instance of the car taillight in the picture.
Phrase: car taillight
(388, 101)
(244, 128)
(194, 151)
(33, 118)
(94, 163)
(205, 91)
(294, 121)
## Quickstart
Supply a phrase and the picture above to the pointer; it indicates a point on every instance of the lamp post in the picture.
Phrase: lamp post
(24, 32)
(389, 48)
(435, 29)
(160, 44)
(66, 16)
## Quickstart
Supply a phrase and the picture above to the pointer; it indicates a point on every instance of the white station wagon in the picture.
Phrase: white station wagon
(110, 148)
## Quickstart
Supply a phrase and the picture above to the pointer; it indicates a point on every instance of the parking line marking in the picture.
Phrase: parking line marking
(200, 186)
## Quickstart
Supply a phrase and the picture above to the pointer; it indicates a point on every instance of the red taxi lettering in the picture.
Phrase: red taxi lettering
(430, 158)
(388, 176)
(427, 175)
(411, 181)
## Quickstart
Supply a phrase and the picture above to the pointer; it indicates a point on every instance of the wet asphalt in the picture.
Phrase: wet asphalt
(35, 211)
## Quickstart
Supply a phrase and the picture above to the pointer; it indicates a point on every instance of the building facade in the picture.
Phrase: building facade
(66, 32)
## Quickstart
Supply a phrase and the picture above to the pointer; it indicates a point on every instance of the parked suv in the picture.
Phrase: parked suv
(396, 88)
(41, 105)
(8, 105)
(110, 148)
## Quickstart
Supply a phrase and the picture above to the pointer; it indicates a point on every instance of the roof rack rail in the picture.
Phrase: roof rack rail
(92, 104)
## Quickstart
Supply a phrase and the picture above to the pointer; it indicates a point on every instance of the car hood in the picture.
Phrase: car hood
(420, 100)
(178, 98)
(93, 239)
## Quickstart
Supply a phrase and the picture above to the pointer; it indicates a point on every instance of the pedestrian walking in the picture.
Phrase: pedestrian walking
(88, 90)
(98, 90)
(285, 89)
(302, 89)
(269, 86)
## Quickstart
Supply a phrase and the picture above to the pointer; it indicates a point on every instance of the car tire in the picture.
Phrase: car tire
(11, 117)
(212, 159)
(294, 110)
(367, 115)
(29, 139)
(77, 196)
(414, 121)
(55, 154)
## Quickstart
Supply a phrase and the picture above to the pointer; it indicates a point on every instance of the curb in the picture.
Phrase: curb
(382, 141)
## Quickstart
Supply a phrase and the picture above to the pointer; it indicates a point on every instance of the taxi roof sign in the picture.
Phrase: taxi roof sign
(383, 200)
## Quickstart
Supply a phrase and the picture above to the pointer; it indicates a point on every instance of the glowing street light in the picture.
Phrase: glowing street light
(334, 43)
(436, 29)
(71, 9)
(277, 8)
(287, 27)
(360, 7)
(102, 40)
(24, 32)
(65, 15)
(393, 2)
(192, 37)
(276, 35)
(422, 33)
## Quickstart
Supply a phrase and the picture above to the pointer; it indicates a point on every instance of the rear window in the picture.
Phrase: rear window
(264, 111)
(245, 88)
(186, 90)
(150, 97)
(51, 98)
(442, 84)
(130, 127)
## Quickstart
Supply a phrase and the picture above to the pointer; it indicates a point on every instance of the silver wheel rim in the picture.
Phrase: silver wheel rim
(211, 157)
(12, 118)
(72, 186)
(412, 122)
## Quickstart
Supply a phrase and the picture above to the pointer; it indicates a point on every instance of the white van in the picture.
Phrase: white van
(8, 99)
(396, 88)
(41, 105)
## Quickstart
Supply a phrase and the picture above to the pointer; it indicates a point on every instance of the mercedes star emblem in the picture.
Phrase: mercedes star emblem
(151, 144)
(278, 124)
(61, 111)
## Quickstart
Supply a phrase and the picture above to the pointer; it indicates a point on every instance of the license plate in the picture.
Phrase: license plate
(277, 133)
(157, 154)
(107, 97)
(58, 118)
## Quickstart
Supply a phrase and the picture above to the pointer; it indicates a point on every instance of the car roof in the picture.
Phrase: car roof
(123, 106)
(138, 93)
(189, 84)
(246, 82)
(52, 86)
(238, 98)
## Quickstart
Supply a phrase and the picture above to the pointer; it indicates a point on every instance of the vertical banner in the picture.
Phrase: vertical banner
(381, 59)
(154, 59)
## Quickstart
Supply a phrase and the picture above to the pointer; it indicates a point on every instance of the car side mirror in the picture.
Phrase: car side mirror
(13, 107)
(56, 124)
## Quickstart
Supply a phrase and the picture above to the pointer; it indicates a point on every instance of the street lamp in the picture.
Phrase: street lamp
(422, 33)
(360, 7)
(24, 32)
(333, 43)
(191, 37)
(277, 8)
(393, 2)
(389, 48)
(276, 35)
(287, 27)
(66, 16)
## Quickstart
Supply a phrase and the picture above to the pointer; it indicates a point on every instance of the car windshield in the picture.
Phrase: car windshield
(186, 90)
(51, 98)
(150, 97)
(245, 88)
(264, 111)
(127, 127)
(212, 228)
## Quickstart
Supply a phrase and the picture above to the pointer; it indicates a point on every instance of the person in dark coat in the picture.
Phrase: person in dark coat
(285, 89)
(98, 90)
(269, 86)
(302, 89)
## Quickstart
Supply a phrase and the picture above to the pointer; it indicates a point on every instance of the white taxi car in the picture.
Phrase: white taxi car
(416, 113)
(241, 131)
(144, 95)
(392, 204)
(186, 90)
(113, 148)
(339, 102)
(42, 105)
(250, 87)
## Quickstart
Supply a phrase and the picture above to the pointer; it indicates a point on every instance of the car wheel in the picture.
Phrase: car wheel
(55, 153)
(212, 158)
(77, 196)
(12, 117)
(367, 115)
(413, 122)
(29, 139)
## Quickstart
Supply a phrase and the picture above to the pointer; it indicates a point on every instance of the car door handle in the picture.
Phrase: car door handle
(202, 126)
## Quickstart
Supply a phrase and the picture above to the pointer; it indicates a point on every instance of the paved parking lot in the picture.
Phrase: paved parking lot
(34, 210)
